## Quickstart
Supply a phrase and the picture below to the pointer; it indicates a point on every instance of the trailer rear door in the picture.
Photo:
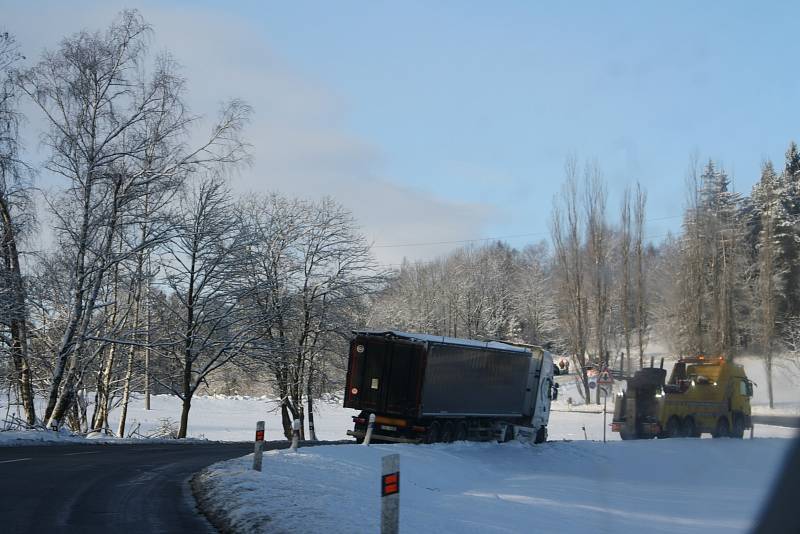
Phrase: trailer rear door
(385, 375)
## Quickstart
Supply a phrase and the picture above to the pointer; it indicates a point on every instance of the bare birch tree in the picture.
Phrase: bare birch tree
(105, 115)
(566, 228)
(15, 216)
(642, 299)
(625, 275)
(206, 328)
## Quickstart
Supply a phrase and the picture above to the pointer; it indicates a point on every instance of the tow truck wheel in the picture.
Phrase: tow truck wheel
(448, 433)
(722, 430)
(738, 426)
(673, 428)
(432, 435)
(689, 428)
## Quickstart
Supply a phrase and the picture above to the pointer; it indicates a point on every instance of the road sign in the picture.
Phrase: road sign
(605, 379)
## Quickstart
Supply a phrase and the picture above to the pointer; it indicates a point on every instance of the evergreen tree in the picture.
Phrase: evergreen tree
(789, 231)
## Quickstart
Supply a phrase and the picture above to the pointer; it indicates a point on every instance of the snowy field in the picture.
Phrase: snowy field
(233, 418)
(676, 485)
(217, 418)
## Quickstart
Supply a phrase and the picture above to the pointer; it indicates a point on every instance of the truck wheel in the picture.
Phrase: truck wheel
(738, 426)
(448, 433)
(461, 431)
(432, 435)
(722, 430)
(673, 428)
(541, 435)
(507, 434)
(689, 428)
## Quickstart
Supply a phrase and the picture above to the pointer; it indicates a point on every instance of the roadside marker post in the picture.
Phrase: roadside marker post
(371, 425)
(295, 435)
(390, 494)
(259, 446)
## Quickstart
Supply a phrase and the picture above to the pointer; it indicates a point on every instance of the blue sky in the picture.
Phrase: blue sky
(471, 108)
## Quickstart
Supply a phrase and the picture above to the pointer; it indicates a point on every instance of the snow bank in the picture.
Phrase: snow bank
(677, 485)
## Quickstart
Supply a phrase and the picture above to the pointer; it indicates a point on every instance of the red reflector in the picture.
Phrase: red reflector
(259, 435)
(390, 484)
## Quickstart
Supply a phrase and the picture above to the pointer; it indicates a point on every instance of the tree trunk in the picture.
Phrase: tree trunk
(185, 407)
(126, 394)
(312, 435)
(18, 323)
(768, 365)
(286, 419)
(103, 396)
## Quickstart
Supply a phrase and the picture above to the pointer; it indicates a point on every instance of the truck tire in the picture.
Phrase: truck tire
(737, 431)
(689, 428)
(432, 435)
(673, 429)
(541, 435)
(507, 434)
(461, 431)
(722, 430)
(448, 432)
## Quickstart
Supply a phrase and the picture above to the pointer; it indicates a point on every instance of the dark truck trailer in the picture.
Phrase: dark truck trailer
(425, 388)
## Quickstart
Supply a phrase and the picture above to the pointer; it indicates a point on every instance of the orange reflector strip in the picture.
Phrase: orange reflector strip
(390, 421)
(390, 484)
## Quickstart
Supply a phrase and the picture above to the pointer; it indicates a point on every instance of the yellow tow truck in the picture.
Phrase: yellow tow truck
(703, 395)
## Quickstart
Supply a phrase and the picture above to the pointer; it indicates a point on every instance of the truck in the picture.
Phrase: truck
(423, 388)
(702, 395)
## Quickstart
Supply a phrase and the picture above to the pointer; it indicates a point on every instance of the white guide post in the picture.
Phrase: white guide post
(295, 435)
(259, 446)
(370, 426)
(390, 494)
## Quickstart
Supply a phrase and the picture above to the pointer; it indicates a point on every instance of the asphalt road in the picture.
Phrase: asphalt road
(106, 488)
(777, 420)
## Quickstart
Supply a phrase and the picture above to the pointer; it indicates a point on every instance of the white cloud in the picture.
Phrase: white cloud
(301, 145)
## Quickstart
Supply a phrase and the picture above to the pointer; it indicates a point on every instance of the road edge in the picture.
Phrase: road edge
(202, 489)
